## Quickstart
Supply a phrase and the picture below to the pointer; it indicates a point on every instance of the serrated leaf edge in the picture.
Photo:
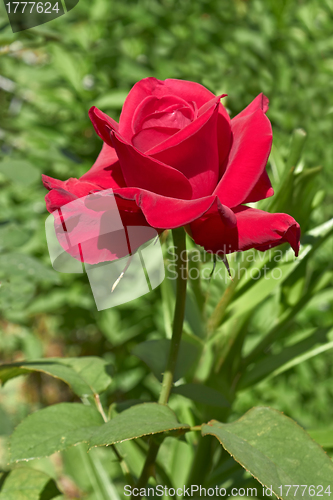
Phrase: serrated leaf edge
(242, 418)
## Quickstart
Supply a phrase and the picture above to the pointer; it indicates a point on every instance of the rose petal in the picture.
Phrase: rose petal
(151, 105)
(194, 151)
(176, 119)
(191, 107)
(191, 129)
(259, 102)
(189, 91)
(147, 173)
(223, 131)
(263, 189)
(149, 137)
(63, 192)
(224, 136)
(80, 188)
(51, 183)
(103, 124)
(106, 171)
(255, 229)
(91, 229)
(58, 197)
(252, 140)
(167, 213)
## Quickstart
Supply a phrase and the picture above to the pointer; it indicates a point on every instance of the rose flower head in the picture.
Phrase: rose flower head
(176, 159)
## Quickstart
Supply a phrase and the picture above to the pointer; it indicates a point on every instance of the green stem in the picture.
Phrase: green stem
(216, 318)
(203, 458)
(122, 462)
(179, 239)
(158, 467)
(202, 461)
(100, 407)
(219, 312)
(149, 466)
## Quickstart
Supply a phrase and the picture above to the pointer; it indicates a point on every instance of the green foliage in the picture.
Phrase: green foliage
(28, 484)
(86, 376)
(202, 394)
(155, 354)
(19, 172)
(253, 442)
(273, 365)
(323, 436)
(53, 429)
(137, 421)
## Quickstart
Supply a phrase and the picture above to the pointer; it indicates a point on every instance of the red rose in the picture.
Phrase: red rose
(176, 159)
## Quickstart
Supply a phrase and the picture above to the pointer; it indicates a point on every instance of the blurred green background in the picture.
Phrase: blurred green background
(51, 75)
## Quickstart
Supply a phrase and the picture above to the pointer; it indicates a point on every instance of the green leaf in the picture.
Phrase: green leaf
(274, 449)
(194, 276)
(86, 376)
(52, 429)
(15, 294)
(69, 66)
(257, 292)
(324, 437)
(12, 235)
(109, 323)
(26, 267)
(277, 163)
(168, 301)
(88, 471)
(114, 99)
(28, 484)
(21, 172)
(194, 298)
(102, 484)
(202, 394)
(137, 421)
(6, 422)
(155, 354)
(304, 191)
(280, 330)
(290, 356)
(296, 147)
(193, 315)
(284, 192)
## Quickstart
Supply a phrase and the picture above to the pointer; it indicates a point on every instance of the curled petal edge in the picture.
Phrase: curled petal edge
(168, 213)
